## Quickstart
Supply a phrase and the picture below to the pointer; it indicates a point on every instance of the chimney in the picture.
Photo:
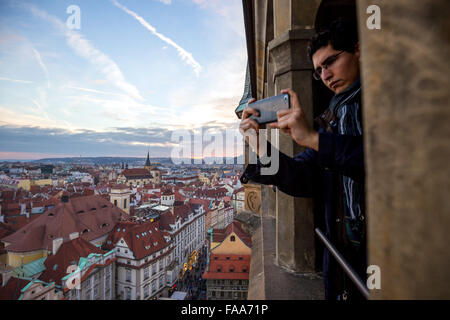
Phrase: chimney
(23, 208)
(5, 277)
(56, 244)
(74, 235)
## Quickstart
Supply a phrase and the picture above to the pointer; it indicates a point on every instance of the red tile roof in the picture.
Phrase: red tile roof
(91, 216)
(68, 254)
(18, 222)
(12, 290)
(182, 211)
(143, 239)
(137, 173)
(166, 219)
(220, 234)
(204, 202)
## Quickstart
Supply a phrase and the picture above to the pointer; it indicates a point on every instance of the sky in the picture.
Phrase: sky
(116, 77)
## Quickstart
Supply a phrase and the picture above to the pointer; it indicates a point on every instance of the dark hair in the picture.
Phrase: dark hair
(341, 34)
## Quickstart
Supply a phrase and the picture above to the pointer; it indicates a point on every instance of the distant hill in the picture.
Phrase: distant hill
(134, 161)
(101, 160)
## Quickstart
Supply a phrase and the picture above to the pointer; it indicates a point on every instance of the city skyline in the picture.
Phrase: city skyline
(123, 83)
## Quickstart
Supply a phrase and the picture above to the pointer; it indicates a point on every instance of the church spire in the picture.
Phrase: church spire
(147, 162)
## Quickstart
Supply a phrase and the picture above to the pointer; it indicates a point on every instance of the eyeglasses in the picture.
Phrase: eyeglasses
(325, 65)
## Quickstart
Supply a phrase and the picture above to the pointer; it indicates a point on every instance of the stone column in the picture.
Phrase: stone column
(405, 77)
(294, 14)
(291, 68)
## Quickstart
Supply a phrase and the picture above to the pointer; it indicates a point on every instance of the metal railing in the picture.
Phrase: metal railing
(344, 264)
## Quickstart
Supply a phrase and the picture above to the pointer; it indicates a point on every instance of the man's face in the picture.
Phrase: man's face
(342, 72)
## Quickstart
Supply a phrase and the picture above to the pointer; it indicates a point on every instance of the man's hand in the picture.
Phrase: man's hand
(293, 122)
(249, 128)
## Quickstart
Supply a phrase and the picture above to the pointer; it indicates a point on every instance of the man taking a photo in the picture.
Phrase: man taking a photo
(332, 166)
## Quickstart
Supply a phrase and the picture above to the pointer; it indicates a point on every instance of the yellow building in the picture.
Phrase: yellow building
(120, 197)
(203, 178)
(27, 183)
(231, 240)
(16, 259)
(42, 182)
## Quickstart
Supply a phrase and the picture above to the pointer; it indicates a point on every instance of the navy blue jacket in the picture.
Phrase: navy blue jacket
(319, 175)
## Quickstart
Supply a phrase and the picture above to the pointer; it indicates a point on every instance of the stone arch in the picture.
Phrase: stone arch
(330, 10)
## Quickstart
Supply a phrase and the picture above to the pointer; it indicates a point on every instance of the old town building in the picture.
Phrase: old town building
(186, 225)
(228, 267)
(93, 217)
(144, 252)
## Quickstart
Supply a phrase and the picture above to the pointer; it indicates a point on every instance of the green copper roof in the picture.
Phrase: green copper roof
(30, 269)
(247, 94)
(85, 263)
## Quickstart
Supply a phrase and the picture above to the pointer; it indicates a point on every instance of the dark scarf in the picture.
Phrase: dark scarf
(344, 117)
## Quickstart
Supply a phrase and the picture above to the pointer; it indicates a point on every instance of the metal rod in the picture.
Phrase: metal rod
(347, 268)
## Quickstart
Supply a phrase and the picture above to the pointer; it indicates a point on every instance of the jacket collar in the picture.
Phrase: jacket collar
(327, 119)
(345, 95)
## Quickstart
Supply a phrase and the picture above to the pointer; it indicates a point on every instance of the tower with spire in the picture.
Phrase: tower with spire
(147, 164)
(153, 169)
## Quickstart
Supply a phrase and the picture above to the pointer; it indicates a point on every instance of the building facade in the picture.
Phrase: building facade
(186, 225)
(228, 264)
(144, 253)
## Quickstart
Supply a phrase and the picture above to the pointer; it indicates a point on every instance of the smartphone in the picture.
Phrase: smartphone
(268, 108)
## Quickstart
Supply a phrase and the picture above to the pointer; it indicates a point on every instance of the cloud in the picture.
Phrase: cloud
(230, 10)
(91, 90)
(11, 117)
(85, 49)
(15, 80)
(167, 2)
(185, 55)
(125, 141)
(213, 99)
(31, 155)
(43, 66)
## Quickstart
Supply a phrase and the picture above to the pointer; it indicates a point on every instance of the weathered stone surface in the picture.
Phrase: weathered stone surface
(294, 216)
(269, 281)
(405, 76)
(253, 198)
